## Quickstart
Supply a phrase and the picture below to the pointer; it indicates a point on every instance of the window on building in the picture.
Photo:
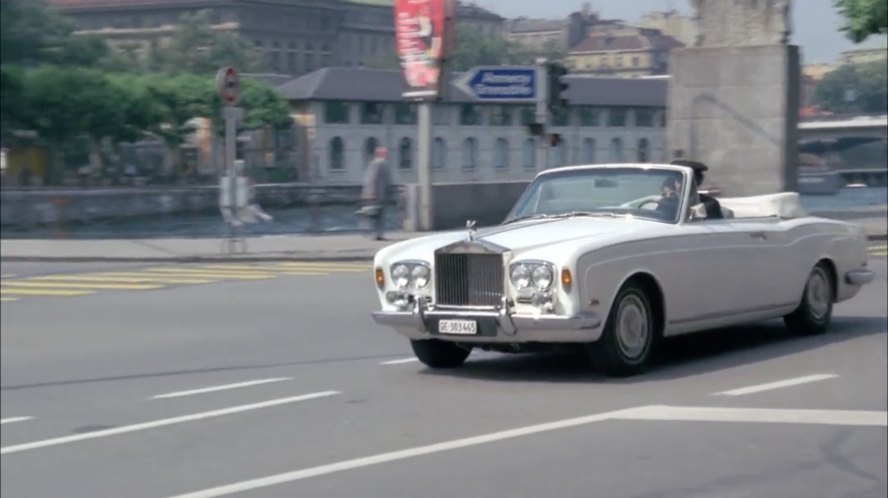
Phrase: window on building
(636, 61)
(470, 153)
(561, 117)
(558, 154)
(589, 150)
(439, 153)
(501, 154)
(336, 112)
(469, 115)
(371, 113)
(337, 154)
(616, 150)
(501, 116)
(616, 117)
(530, 153)
(405, 114)
(405, 154)
(589, 116)
(643, 150)
(528, 115)
(291, 61)
(370, 149)
(644, 117)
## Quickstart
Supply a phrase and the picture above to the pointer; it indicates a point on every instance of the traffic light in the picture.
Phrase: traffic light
(557, 86)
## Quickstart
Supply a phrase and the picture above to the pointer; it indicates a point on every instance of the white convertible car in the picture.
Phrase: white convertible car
(613, 258)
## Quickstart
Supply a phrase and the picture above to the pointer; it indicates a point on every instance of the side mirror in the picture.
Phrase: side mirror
(698, 212)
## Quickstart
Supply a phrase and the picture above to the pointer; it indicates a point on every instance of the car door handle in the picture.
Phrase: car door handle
(759, 235)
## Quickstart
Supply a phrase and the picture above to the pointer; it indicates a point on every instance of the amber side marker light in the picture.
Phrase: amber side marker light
(380, 278)
(566, 278)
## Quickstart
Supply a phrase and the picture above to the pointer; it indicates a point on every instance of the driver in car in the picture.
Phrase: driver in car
(713, 207)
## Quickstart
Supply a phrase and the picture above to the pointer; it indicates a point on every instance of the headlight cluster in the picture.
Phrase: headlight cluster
(538, 275)
(411, 274)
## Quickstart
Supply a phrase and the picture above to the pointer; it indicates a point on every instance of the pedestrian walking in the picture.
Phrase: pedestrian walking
(374, 194)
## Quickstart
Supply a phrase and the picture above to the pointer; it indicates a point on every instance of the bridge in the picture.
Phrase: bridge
(828, 138)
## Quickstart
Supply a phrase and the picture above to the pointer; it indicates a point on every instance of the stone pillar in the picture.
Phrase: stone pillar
(734, 97)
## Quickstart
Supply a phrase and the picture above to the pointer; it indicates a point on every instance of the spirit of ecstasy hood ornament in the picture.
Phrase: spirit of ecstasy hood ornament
(470, 224)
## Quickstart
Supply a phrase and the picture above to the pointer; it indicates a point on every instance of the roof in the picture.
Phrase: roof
(377, 85)
(525, 25)
(77, 4)
(604, 42)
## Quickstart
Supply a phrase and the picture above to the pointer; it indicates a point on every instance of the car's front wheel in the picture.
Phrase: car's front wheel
(440, 354)
(814, 314)
(629, 334)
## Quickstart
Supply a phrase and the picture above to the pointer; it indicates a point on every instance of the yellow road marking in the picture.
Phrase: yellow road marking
(238, 270)
(333, 266)
(879, 253)
(7, 291)
(75, 285)
(6, 275)
(210, 274)
(878, 248)
(136, 279)
(8, 299)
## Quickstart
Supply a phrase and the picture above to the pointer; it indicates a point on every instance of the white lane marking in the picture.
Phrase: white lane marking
(12, 420)
(179, 394)
(766, 415)
(776, 385)
(653, 412)
(396, 455)
(160, 423)
(399, 362)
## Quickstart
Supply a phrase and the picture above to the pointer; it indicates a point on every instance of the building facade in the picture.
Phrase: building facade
(293, 37)
(863, 55)
(340, 124)
(623, 52)
(671, 23)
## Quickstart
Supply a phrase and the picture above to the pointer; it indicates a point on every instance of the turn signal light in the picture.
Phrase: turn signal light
(566, 278)
(380, 278)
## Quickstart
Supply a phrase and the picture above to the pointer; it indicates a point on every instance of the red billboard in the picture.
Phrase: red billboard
(423, 34)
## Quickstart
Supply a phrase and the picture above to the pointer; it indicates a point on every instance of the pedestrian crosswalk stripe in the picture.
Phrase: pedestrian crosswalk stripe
(6, 291)
(345, 267)
(212, 274)
(118, 279)
(240, 270)
(78, 285)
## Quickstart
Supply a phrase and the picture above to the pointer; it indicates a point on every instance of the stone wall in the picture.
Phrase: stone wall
(487, 203)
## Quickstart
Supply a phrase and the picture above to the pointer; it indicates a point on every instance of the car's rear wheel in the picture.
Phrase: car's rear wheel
(814, 314)
(440, 354)
(629, 334)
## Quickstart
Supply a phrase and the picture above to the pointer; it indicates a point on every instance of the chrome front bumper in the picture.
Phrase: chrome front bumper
(859, 277)
(498, 325)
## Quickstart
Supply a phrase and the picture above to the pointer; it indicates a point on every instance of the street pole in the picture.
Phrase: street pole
(542, 112)
(231, 114)
(424, 172)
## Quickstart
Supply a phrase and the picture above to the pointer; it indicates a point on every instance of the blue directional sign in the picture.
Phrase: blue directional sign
(500, 83)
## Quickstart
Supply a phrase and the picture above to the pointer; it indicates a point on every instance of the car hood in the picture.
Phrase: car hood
(528, 235)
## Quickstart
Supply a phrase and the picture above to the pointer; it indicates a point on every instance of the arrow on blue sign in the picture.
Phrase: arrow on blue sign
(500, 83)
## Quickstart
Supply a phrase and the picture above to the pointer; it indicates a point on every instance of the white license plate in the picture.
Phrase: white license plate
(461, 327)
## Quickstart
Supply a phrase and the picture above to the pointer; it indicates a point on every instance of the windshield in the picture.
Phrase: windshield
(645, 193)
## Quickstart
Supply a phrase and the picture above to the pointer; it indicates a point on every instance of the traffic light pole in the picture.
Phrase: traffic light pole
(542, 112)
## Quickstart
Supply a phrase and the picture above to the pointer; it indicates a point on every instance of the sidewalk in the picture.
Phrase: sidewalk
(349, 247)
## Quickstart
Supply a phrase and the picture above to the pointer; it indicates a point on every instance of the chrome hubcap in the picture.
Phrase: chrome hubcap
(818, 294)
(632, 327)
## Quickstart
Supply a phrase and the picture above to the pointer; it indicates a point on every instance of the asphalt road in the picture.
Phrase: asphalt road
(280, 385)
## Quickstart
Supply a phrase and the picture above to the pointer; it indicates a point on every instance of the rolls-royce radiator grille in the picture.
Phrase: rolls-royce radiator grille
(468, 279)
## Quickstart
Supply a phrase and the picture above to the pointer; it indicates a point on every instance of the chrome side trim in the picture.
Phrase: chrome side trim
(859, 277)
(730, 313)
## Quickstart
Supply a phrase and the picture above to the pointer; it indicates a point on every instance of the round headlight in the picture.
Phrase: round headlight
(520, 276)
(542, 277)
(401, 276)
(420, 276)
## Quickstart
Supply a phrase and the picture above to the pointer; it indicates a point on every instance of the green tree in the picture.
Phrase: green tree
(854, 88)
(863, 18)
(473, 49)
(198, 48)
